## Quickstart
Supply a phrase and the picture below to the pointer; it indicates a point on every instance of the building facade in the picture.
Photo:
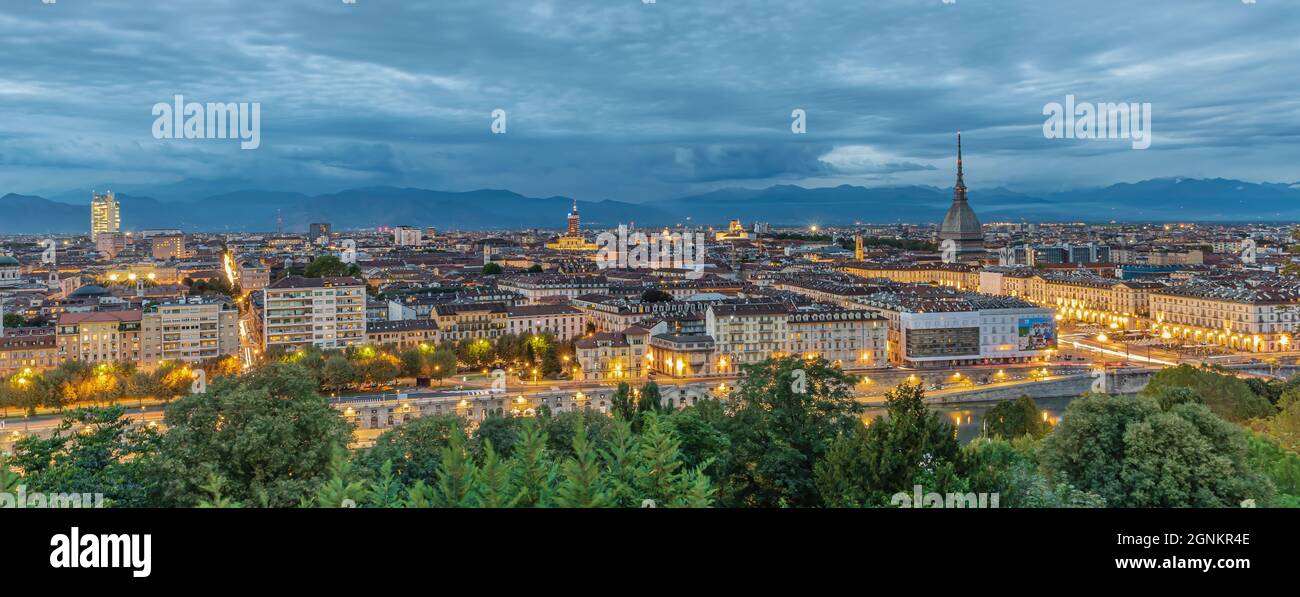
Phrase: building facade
(322, 312)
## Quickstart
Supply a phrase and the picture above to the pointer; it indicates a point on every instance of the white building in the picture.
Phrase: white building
(324, 312)
(407, 236)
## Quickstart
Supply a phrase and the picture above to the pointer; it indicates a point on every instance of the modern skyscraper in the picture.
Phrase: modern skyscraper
(960, 225)
(105, 216)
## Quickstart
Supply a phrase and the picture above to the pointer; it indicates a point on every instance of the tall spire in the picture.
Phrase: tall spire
(959, 191)
(575, 205)
(960, 182)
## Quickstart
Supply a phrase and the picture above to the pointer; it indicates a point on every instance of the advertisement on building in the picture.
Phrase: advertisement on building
(1036, 333)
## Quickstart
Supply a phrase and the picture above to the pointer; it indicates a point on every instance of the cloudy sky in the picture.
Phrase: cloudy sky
(625, 100)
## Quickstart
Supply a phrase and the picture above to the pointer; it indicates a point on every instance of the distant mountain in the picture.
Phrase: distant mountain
(1184, 199)
(27, 214)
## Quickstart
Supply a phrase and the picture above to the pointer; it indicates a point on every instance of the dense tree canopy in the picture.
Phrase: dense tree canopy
(1133, 454)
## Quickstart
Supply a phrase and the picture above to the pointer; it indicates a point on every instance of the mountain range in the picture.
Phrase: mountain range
(214, 206)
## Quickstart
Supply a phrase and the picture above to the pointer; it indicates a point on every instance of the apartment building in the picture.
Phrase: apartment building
(323, 312)
(747, 333)
(189, 331)
(27, 348)
(563, 321)
(849, 338)
(471, 320)
(404, 334)
(100, 336)
(168, 247)
(550, 288)
(953, 275)
(605, 356)
(1253, 319)
(1076, 296)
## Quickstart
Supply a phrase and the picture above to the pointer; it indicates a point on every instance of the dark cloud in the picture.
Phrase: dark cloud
(620, 99)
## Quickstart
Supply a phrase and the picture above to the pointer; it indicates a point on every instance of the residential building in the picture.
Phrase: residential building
(323, 312)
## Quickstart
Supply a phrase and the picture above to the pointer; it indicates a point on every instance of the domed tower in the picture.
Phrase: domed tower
(960, 225)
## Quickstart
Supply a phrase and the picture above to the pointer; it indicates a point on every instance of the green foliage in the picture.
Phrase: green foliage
(561, 429)
(499, 431)
(215, 498)
(704, 444)
(268, 434)
(1225, 395)
(413, 449)
(495, 480)
(1010, 470)
(911, 445)
(581, 485)
(1284, 427)
(780, 429)
(651, 400)
(621, 403)
(1133, 454)
(492, 269)
(1169, 397)
(457, 474)
(344, 488)
(330, 266)
(94, 450)
(1282, 467)
(1015, 418)
(534, 473)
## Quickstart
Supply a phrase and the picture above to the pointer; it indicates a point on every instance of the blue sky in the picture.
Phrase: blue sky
(624, 100)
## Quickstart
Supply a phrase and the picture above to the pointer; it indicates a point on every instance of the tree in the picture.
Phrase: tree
(535, 268)
(1015, 418)
(492, 269)
(534, 474)
(94, 450)
(703, 442)
(654, 295)
(268, 434)
(651, 400)
(338, 373)
(442, 364)
(621, 403)
(562, 428)
(1225, 395)
(787, 412)
(501, 431)
(660, 475)
(910, 445)
(580, 485)
(1284, 427)
(1281, 466)
(1009, 468)
(1133, 454)
(495, 480)
(382, 369)
(456, 475)
(330, 266)
(414, 448)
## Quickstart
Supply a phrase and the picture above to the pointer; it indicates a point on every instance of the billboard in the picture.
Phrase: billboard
(1036, 333)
